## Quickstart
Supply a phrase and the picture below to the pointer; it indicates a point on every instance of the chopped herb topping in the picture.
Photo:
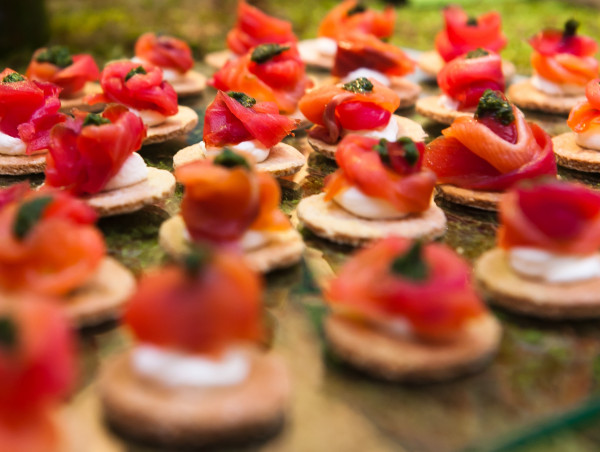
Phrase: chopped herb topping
(360, 85)
(477, 53)
(94, 119)
(493, 103)
(56, 55)
(29, 214)
(265, 52)
(230, 159)
(8, 333)
(411, 153)
(381, 149)
(411, 264)
(571, 27)
(242, 98)
(359, 8)
(196, 259)
(135, 71)
(13, 77)
(472, 21)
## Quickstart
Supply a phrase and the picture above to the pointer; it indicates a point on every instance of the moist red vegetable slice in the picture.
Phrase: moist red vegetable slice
(164, 51)
(350, 17)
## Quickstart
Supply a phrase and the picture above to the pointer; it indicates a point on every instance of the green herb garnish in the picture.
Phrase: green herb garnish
(359, 86)
(8, 332)
(135, 71)
(472, 21)
(242, 98)
(411, 153)
(359, 8)
(265, 52)
(571, 27)
(477, 53)
(13, 77)
(94, 119)
(29, 214)
(230, 159)
(196, 259)
(381, 149)
(57, 55)
(411, 264)
(493, 103)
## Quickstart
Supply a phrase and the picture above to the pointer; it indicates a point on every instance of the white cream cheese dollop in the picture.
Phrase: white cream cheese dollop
(326, 46)
(553, 268)
(367, 73)
(389, 131)
(11, 145)
(251, 239)
(253, 149)
(150, 118)
(449, 103)
(133, 171)
(355, 201)
(174, 368)
(589, 140)
(556, 89)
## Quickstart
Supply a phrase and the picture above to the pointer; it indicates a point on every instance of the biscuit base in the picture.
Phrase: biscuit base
(431, 108)
(102, 297)
(141, 408)
(506, 288)
(77, 101)
(525, 95)
(407, 128)
(332, 222)
(284, 250)
(283, 159)
(159, 185)
(309, 53)
(175, 126)
(570, 155)
(218, 59)
(395, 358)
(19, 165)
(479, 199)
(431, 63)
(192, 84)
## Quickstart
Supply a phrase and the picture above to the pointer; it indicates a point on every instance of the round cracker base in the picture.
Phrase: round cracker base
(77, 101)
(188, 416)
(330, 221)
(192, 84)
(283, 250)
(406, 128)
(432, 108)
(570, 155)
(283, 159)
(310, 55)
(525, 95)
(102, 297)
(395, 358)
(407, 91)
(218, 59)
(19, 165)
(506, 288)
(159, 185)
(431, 63)
(175, 126)
(479, 199)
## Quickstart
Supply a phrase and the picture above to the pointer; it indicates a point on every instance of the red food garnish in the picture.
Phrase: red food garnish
(281, 78)
(202, 310)
(145, 90)
(396, 177)
(332, 108)
(253, 27)
(165, 52)
(57, 252)
(359, 50)
(71, 78)
(563, 56)
(83, 159)
(463, 34)
(466, 78)
(586, 115)
(436, 307)
(227, 121)
(28, 110)
(270, 217)
(351, 17)
(476, 155)
(558, 217)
